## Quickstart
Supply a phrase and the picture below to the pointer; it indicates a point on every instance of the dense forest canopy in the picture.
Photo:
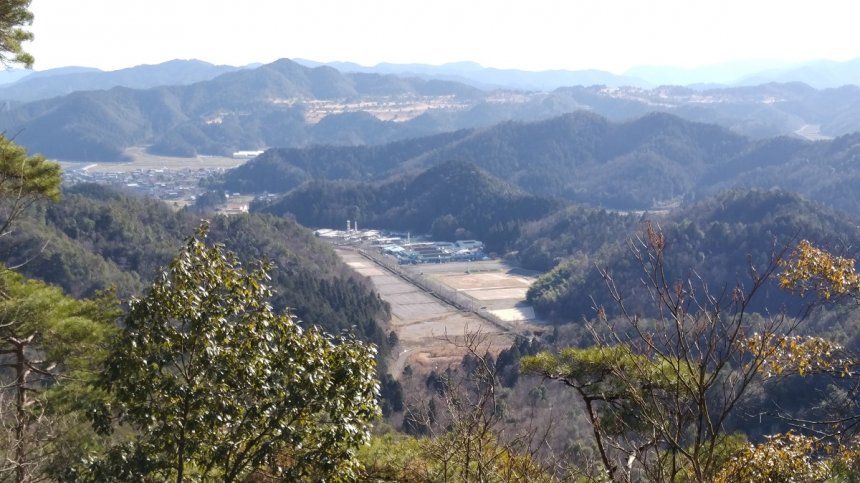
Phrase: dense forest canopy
(717, 240)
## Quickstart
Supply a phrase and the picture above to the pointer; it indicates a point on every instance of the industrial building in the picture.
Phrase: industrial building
(407, 249)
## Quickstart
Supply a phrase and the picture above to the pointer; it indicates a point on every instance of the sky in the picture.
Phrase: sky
(611, 35)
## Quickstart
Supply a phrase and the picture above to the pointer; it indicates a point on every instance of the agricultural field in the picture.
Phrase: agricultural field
(428, 327)
(143, 161)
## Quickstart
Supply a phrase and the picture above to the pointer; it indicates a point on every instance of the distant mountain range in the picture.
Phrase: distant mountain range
(715, 75)
(65, 80)
(491, 78)
(820, 74)
(272, 105)
(286, 104)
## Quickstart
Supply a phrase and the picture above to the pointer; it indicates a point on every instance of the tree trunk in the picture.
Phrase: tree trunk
(20, 409)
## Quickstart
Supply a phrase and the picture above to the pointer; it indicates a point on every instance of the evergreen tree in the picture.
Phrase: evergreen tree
(50, 347)
(14, 15)
(217, 385)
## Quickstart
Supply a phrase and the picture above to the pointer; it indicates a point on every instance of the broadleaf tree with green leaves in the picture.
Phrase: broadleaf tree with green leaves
(217, 386)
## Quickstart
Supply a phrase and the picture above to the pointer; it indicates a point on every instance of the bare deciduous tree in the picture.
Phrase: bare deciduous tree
(464, 421)
(660, 390)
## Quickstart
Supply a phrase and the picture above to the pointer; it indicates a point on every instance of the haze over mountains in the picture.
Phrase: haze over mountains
(285, 104)
(491, 78)
(820, 74)
(57, 82)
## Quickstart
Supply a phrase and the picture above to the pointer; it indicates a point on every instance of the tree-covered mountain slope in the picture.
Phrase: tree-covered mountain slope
(643, 164)
(714, 242)
(453, 200)
(581, 156)
(96, 238)
(285, 104)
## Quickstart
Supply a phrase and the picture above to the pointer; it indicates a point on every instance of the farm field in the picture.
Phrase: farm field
(492, 286)
(141, 160)
(429, 328)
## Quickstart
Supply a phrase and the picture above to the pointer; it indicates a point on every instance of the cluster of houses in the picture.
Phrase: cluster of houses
(163, 184)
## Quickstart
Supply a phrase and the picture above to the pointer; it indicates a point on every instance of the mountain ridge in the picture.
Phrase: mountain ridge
(452, 200)
(284, 104)
(57, 82)
(640, 164)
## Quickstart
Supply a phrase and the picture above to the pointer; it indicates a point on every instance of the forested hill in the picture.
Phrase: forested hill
(573, 231)
(587, 159)
(280, 170)
(582, 157)
(453, 200)
(715, 239)
(97, 237)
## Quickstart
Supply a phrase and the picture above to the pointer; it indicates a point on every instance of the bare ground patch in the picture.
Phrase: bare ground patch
(428, 329)
(140, 159)
(482, 280)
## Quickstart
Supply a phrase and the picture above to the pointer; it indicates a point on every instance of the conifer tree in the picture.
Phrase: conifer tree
(14, 16)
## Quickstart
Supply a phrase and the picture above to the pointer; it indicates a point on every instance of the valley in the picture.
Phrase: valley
(175, 180)
(559, 276)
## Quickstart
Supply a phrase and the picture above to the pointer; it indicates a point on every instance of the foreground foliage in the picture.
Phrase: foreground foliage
(50, 348)
(658, 393)
(23, 180)
(216, 385)
(14, 17)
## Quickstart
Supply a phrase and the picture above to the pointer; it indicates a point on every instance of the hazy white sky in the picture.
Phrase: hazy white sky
(526, 34)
